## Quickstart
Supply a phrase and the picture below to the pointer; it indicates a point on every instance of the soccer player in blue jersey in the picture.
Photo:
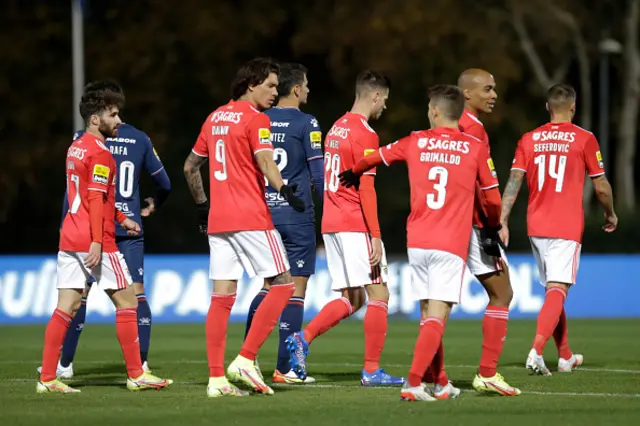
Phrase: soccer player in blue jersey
(297, 143)
(133, 152)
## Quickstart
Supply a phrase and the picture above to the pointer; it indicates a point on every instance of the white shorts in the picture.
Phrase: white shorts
(436, 275)
(111, 274)
(478, 261)
(260, 253)
(557, 259)
(348, 260)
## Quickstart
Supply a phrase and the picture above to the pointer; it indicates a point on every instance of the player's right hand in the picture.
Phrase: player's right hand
(349, 179)
(504, 235)
(288, 193)
(610, 222)
(131, 227)
(95, 255)
(376, 251)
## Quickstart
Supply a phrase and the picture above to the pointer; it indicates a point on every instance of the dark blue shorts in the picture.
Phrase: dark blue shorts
(133, 251)
(300, 242)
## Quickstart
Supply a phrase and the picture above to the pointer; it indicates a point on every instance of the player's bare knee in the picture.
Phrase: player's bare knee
(498, 288)
(138, 288)
(284, 278)
(300, 286)
(124, 299)
(378, 292)
(356, 296)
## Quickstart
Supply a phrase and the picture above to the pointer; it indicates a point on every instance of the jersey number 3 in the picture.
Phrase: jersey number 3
(439, 176)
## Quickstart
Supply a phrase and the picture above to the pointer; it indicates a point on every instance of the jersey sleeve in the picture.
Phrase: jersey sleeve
(258, 131)
(519, 162)
(487, 176)
(593, 157)
(100, 173)
(201, 148)
(395, 151)
(312, 139)
(365, 145)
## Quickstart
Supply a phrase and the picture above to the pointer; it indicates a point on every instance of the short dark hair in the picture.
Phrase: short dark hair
(100, 95)
(369, 80)
(448, 97)
(252, 73)
(291, 74)
(560, 96)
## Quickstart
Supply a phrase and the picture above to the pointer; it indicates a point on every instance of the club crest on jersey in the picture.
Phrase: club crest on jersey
(265, 136)
(316, 139)
(599, 157)
(101, 174)
(536, 136)
(314, 122)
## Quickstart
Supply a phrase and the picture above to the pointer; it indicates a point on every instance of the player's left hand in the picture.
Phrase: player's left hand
(376, 251)
(610, 222)
(490, 240)
(150, 208)
(131, 227)
(349, 179)
(504, 235)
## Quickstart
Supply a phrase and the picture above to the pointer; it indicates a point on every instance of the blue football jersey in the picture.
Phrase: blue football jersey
(133, 151)
(296, 139)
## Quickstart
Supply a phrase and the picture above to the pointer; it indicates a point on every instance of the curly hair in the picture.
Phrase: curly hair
(99, 96)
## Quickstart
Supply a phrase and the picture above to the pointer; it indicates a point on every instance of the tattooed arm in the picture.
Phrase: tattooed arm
(194, 178)
(508, 200)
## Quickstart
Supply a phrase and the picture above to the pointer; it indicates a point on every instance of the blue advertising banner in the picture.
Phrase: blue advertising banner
(178, 290)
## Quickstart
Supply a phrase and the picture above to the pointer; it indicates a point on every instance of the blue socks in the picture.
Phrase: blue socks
(144, 325)
(290, 322)
(73, 335)
(252, 309)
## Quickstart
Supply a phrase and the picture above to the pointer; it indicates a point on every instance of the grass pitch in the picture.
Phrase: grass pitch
(605, 392)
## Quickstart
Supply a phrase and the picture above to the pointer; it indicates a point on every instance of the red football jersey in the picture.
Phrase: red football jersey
(231, 136)
(556, 157)
(90, 167)
(444, 165)
(350, 139)
(472, 125)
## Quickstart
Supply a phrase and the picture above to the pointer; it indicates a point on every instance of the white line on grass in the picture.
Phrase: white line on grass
(338, 386)
(327, 364)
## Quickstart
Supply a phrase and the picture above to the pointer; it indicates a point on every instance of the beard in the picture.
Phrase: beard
(108, 131)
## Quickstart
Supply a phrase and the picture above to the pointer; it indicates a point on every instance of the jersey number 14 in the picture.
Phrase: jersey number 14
(557, 166)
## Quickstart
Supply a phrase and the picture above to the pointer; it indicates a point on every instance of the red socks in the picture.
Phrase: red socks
(375, 333)
(127, 332)
(561, 336)
(328, 317)
(494, 330)
(265, 318)
(429, 340)
(53, 339)
(216, 331)
(549, 317)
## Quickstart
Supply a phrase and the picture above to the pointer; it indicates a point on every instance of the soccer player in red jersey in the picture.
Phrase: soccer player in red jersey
(556, 158)
(489, 268)
(351, 233)
(237, 137)
(444, 165)
(87, 241)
